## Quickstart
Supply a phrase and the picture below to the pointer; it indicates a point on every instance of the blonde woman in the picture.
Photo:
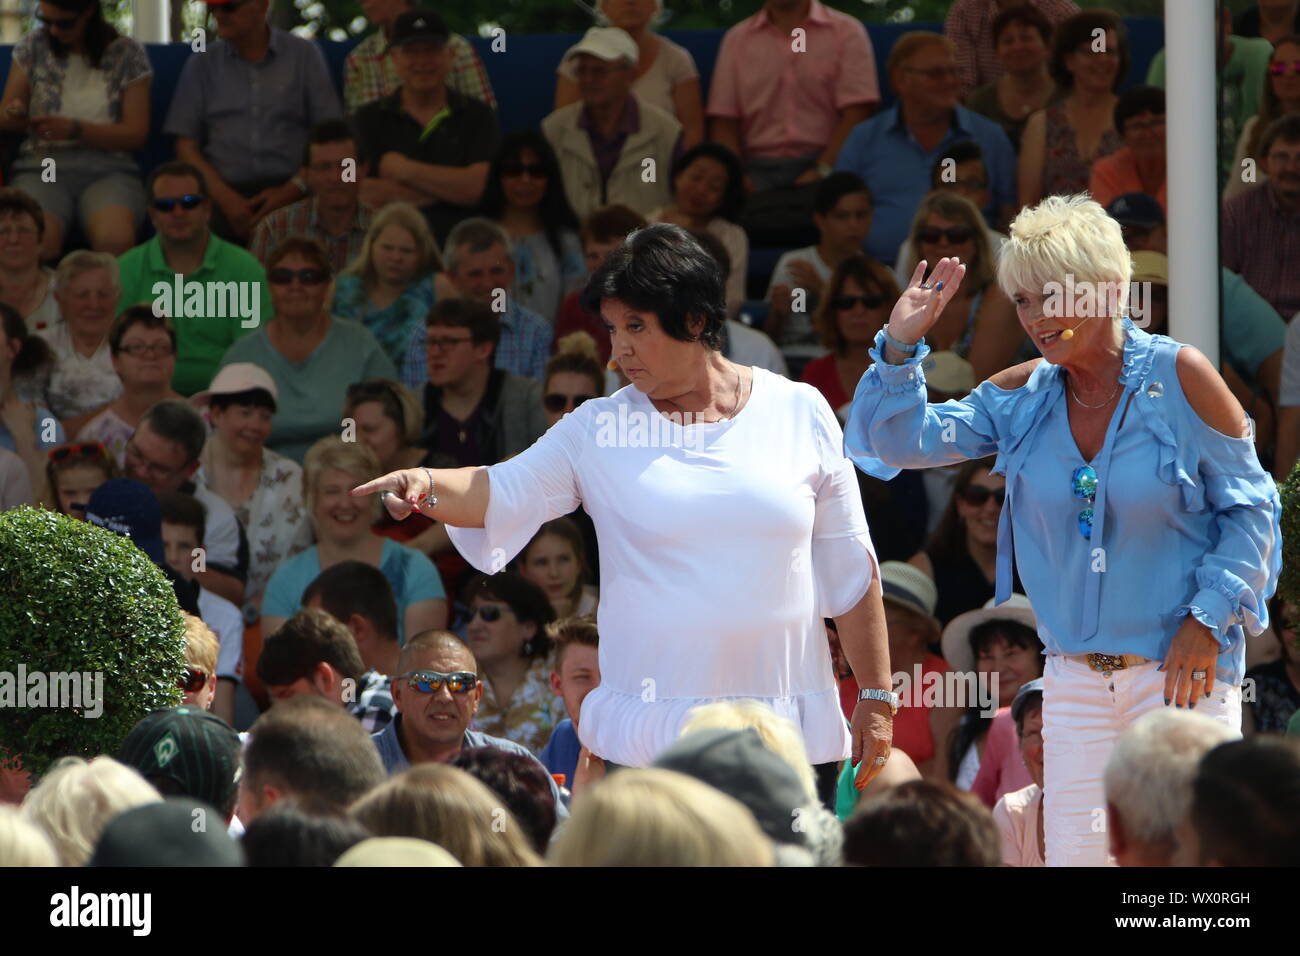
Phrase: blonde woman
(22, 843)
(447, 806)
(390, 287)
(1145, 531)
(656, 817)
(75, 801)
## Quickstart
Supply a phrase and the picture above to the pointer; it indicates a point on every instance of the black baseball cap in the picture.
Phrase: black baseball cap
(419, 25)
(167, 833)
(1136, 209)
(130, 508)
(194, 749)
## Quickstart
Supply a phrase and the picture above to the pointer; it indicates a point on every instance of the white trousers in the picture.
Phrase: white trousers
(1083, 715)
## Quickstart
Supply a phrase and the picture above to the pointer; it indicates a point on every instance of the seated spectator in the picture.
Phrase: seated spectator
(311, 356)
(895, 151)
(82, 379)
(740, 343)
(522, 784)
(1139, 165)
(370, 70)
(1281, 98)
(525, 196)
(389, 287)
(707, 193)
(481, 267)
(183, 522)
(246, 143)
(1061, 142)
(163, 453)
(666, 76)
(261, 487)
(1270, 19)
(1019, 813)
(448, 807)
(1000, 647)
(208, 751)
(292, 833)
(332, 212)
(342, 526)
(425, 143)
(360, 598)
(603, 140)
(972, 25)
(313, 653)
(25, 284)
(75, 800)
(1149, 783)
(306, 747)
(23, 843)
(15, 484)
(555, 561)
(1260, 233)
(1277, 684)
(603, 230)
(922, 823)
(842, 213)
(576, 672)
(506, 630)
(27, 427)
(656, 817)
(860, 295)
(184, 245)
(1021, 36)
(979, 324)
(88, 119)
(73, 472)
(1245, 798)
(474, 414)
(143, 347)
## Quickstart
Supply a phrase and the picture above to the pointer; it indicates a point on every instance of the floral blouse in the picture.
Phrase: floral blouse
(392, 326)
(533, 712)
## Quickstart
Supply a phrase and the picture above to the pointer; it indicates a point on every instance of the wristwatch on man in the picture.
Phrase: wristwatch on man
(875, 693)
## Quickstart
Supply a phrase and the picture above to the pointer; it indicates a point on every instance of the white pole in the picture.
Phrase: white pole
(150, 21)
(1193, 161)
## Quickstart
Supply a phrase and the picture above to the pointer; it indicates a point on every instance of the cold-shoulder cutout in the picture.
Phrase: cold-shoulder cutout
(1010, 379)
(1209, 395)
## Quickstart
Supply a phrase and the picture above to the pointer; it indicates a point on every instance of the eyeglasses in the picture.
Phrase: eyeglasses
(935, 72)
(152, 350)
(1084, 485)
(1278, 69)
(555, 402)
(67, 452)
(58, 23)
(490, 613)
(977, 495)
(446, 343)
(193, 681)
(536, 170)
(137, 462)
(954, 234)
(430, 682)
(842, 302)
(186, 202)
(305, 276)
(17, 232)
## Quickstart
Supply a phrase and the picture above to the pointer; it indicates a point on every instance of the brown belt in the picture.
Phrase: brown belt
(1105, 663)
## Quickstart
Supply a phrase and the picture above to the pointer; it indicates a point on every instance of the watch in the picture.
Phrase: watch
(874, 693)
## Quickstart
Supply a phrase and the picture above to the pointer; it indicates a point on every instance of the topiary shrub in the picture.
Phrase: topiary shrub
(76, 598)
(1288, 583)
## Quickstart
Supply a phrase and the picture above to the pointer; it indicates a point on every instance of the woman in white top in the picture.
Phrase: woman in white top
(728, 518)
(24, 282)
(666, 76)
(84, 380)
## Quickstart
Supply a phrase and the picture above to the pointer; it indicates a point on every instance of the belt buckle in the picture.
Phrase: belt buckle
(1105, 663)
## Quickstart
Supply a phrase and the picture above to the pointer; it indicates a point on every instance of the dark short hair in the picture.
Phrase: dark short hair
(176, 167)
(612, 222)
(1014, 633)
(1026, 14)
(177, 422)
(1135, 102)
(313, 747)
(1244, 800)
(182, 509)
(309, 638)
(967, 151)
(252, 397)
(714, 247)
(1285, 128)
(835, 187)
(521, 783)
(662, 269)
(527, 601)
(482, 322)
(1077, 30)
(138, 315)
(15, 202)
(300, 831)
(354, 587)
(733, 194)
(326, 131)
(922, 823)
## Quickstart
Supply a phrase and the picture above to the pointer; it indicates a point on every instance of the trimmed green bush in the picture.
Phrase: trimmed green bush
(76, 598)
(1288, 584)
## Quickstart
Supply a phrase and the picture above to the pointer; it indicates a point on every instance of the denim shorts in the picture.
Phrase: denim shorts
(82, 187)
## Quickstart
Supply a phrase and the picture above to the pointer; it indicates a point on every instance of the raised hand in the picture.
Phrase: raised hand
(919, 306)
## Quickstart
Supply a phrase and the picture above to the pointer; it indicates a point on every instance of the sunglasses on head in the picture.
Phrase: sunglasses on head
(1278, 69)
(66, 452)
(555, 402)
(193, 681)
(490, 613)
(168, 203)
(536, 170)
(976, 495)
(954, 234)
(843, 302)
(305, 276)
(430, 682)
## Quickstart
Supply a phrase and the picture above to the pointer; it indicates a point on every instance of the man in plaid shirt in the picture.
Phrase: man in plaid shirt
(970, 27)
(369, 71)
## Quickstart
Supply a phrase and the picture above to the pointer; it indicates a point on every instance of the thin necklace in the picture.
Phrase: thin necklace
(735, 405)
(1102, 405)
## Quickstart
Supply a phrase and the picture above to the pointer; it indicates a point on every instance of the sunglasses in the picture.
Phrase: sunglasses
(556, 403)
(1083, 483)
(193, 681)
(843, 302)
(67, 452)
(430, 682)
(954, 234)
(1279, 69)
(536, 170)
(168, 203)
(58, 23)
(976, 495)
(305, 276)
(491, 613)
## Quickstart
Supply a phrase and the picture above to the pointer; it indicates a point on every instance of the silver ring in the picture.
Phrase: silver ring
(1198, 675)
(880, 761)
(387, 494)
(925, 285)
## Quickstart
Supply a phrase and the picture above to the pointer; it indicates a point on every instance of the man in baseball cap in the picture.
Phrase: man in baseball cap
(187, 752)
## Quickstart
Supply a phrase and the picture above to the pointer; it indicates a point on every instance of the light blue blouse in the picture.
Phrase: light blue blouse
(1186, 521)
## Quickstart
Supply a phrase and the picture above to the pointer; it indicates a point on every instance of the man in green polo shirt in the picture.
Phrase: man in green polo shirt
(214, 291)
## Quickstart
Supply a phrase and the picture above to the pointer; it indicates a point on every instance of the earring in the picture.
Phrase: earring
(529, 647)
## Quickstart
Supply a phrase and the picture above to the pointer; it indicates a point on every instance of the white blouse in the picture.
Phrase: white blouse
(722, 547)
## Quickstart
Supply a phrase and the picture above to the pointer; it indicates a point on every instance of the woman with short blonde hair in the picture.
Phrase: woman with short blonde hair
(76, 799)
(23, 843)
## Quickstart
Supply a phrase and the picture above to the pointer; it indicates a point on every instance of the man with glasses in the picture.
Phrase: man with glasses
(894, 151)
(242, 111)
(437, 693)
(184, 244)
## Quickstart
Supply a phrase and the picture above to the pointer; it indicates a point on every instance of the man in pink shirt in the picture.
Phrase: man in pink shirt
(787, 119)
